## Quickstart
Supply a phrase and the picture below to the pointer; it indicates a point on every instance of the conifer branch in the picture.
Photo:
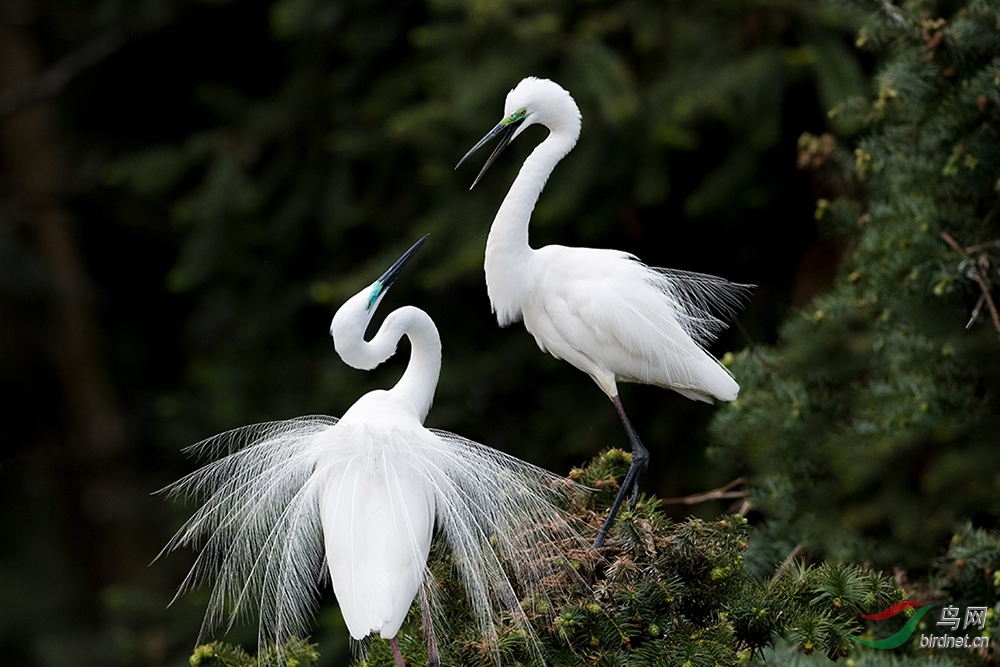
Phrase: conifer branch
(658, 593)
(752, 346)
(995, 243)
(975, 311)
(893, 12)
(977, 274)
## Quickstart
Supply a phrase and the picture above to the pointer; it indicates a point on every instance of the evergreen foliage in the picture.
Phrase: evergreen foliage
(659, 593)
(869, 430)
(969, 575)
(238, 168)
(966, 576)
(782, 656)
(294, 653)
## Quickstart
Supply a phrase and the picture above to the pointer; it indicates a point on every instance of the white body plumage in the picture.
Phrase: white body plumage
(616, 320)
(361, 498)
(603, 311)
(377, 511)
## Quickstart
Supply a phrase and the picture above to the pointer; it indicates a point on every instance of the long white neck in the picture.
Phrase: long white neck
(421, 375)
(508, 255)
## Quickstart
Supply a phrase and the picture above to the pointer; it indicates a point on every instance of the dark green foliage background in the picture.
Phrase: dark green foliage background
(887, 406)
(237, 168)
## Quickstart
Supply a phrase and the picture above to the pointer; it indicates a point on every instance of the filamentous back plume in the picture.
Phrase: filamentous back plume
(358, 499)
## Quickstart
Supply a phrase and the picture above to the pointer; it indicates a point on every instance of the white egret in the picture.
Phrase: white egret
(359, 498)
(603, 311)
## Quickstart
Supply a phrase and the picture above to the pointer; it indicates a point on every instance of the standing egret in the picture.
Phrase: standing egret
(359, 498)
(603, 311)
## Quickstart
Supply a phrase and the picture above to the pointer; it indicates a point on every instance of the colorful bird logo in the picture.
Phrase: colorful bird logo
(904, 633)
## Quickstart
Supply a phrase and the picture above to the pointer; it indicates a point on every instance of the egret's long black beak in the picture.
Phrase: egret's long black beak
(385, 281)
(387, 278)
(504, 128)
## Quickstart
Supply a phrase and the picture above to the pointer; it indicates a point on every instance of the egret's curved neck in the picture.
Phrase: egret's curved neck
(421, 375)
(507, 249)
(509, 233)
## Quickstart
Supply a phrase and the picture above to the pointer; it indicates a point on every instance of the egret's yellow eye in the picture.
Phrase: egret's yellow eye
(515, 117)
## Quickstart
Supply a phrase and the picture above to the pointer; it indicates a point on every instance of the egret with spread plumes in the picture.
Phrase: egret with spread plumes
(359, 499)
(603, 311)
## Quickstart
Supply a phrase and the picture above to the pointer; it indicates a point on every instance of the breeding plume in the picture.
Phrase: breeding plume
(360, 498)
(603, 311)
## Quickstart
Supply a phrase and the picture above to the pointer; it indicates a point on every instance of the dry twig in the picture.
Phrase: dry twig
(795, 553)
(977, 274)
(721, 493)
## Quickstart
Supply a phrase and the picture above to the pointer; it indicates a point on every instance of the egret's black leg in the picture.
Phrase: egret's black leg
(397, 655)
(640, 461)
(433, 660)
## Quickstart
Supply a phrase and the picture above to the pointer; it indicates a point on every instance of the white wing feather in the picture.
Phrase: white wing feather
(378, 517)
(268, 500)
(608, 314)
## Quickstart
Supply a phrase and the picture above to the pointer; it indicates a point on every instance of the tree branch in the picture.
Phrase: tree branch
(721, 493)
(793, 554)
(978, 276)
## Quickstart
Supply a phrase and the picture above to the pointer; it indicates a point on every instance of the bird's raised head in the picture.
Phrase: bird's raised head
(385, 281)
(532, 101)
(352, 318)
(541, 101)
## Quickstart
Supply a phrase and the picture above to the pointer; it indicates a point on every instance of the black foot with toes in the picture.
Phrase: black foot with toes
(630, 485)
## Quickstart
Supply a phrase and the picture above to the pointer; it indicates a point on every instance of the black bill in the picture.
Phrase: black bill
(504, 128)
(387, 278)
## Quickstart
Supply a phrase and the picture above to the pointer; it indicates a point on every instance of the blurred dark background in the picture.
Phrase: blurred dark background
(189, 189)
